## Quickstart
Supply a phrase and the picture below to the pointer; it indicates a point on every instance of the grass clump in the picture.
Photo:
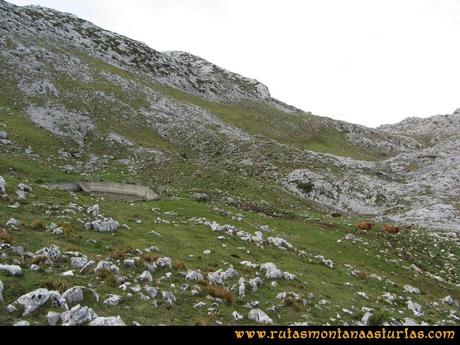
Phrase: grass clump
(108, 278)
(178, 265)
(38, 225)
(219, 292)
(5, 236)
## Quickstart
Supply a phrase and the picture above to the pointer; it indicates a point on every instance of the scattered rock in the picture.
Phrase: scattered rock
(201, 197)
(415, 308)
(107, 321)
(164, 262)
(113, 300)
(237, 316)
(50, 254)
(73, 295)
(94, 210)
(168, 297)
(410, 289)
(13, 224)
(13, 270)
(145, 277)
(107, 266)
(194, 275)
(2, 186)
(78, 262)
(366, 319)
(22, 190)
(37, 298)
(105, 225)
(129, 263)
(259, 316)
(22, 324)
(53, 318)
(280, 243)
(446, 300)
(416, 269)
(78, 316)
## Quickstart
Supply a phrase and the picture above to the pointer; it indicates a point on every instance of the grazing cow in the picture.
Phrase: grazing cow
(391, 229)
(364, 226)
(336, 215)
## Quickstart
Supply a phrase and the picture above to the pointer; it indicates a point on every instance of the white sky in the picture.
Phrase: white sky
(363, 61)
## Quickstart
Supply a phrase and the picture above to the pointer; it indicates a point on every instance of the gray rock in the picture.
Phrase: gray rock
(2, 186)
(107, 321)
(13, 270)
(53, 318)
(106, 225)
(34, 300)
(411, 289)
(107, 266)
(3, 135)
(73, 295)
(260, 317)
(151, 291)
(201, 197)
(366, 319)
(129, 263)
(22, 190)
(194, 275)
(415, 308)
(2, 288)
(164, 262)
(78, 262)
(255, 283)
(145, 277)
(113, 300)
(265, 228)
(13, 223)
(77, 316)
(94, 210)
(446, 300)
(237, 316)
(22, 324)
(11, 308)
(52, 254)
(218, 277)
(168, 297)
(279, 243)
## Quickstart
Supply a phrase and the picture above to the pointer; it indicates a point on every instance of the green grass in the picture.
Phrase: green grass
(180, 239)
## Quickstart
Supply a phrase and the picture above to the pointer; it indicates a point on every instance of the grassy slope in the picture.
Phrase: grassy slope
(181, 239)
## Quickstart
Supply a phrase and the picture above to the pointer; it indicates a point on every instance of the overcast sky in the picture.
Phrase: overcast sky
(363, 61)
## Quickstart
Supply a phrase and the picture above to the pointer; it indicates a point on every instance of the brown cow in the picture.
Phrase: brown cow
(336, 215)
(364, 226)
(391, 229)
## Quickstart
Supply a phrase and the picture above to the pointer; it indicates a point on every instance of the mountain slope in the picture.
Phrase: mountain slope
(81, 103)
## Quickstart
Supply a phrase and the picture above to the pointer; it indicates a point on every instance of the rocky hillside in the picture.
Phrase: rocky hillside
(242, 233)
(436, 128)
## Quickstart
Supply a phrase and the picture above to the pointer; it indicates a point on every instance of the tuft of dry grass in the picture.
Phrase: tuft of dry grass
(178, 265)
(56, 285)
(219, 292)
(67, 228)
(5, 236)
(293, 304)
(149, 257)
(38, 259)
(120, 253)
(361, 275)
(108, 277)
(37, 225)
(201, 322)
